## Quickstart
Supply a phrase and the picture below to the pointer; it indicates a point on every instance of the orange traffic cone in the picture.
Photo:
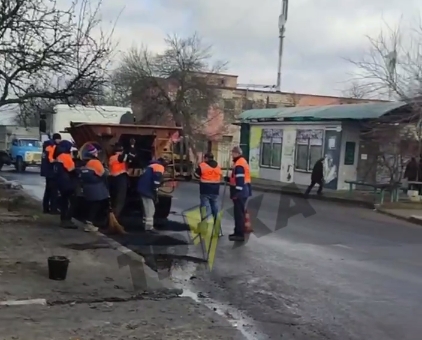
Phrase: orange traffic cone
(248, 227)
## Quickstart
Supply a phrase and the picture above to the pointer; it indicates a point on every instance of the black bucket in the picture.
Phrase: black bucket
(57, 267)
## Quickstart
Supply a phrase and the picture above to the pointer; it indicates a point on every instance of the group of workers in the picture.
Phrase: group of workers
(100, 185)
(209, 174)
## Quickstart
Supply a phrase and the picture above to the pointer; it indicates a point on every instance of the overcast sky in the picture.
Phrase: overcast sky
(319, 34)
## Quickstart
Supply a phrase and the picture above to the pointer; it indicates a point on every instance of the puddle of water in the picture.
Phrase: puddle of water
(181, 277)
(180, 272)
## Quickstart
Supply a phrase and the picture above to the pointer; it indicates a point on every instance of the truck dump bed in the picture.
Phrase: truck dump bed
(152, 142)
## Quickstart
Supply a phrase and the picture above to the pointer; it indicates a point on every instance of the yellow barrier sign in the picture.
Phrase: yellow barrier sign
(206, 229)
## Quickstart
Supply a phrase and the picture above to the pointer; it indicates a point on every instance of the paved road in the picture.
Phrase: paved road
(342, 273)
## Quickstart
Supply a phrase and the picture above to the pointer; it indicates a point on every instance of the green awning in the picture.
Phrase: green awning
(327, 112)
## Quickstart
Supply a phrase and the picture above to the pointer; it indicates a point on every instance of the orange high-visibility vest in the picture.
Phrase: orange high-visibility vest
(241, 162)
(116, 168)
(50, 152)
(95, 166)
(66, 160)
(210, 174)
(157, 168)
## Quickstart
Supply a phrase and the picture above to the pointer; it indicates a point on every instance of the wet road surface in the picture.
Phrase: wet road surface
(340, 273)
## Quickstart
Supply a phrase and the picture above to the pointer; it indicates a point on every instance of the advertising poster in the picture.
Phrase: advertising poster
(254, 150)
(311, 137)
(332, 158)
(288, 155)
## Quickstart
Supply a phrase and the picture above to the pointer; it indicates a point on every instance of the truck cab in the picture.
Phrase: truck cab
(25, 152)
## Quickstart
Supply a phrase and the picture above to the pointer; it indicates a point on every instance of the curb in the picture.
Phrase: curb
(9, 303)
(412, 219)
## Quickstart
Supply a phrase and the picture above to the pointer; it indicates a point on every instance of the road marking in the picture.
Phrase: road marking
(343, 246)
(42, 302)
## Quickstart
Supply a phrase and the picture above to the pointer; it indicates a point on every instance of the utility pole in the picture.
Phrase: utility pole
(391, 60)
(282, 19)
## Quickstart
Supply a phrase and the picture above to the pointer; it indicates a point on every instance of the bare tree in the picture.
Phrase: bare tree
(51, 53)
(391, 69)
(179, 84)
(32, 110)
(355, 91)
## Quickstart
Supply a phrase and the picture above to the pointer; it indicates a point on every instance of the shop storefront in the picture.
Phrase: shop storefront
(287, 153)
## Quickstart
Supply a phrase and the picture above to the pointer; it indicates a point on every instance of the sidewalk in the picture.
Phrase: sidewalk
(411, 215)
(360, 198)
(98, 299)
(406, 211)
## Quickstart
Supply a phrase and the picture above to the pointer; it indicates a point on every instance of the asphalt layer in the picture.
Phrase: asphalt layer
(338, 272)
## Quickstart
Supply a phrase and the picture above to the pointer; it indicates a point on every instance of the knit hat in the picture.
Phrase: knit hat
(91, 149)
(57, 136)
(237, 149)
(65, 146)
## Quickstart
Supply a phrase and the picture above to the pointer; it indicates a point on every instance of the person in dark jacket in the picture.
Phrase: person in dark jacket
(209, 174)
(411, 171)
(50, 192)
(240, 191)
(132, 159)
(317, 177)
(94, 183)
(65, 177)
(148, 185)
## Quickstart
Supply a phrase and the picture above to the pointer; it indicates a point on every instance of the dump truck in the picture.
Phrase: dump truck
(20, 146)
(151, 142)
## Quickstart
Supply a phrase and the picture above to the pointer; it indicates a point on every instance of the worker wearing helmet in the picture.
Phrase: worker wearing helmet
(94, 182)
(50, 192)
(65, 177)
(118, 179)
(148, 185)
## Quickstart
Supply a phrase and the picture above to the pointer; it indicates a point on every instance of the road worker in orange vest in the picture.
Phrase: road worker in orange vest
(118, 179)
(209, 174)
(66, 178)
(51, 192)
(94, 177)
(148, 185)
(240, 191)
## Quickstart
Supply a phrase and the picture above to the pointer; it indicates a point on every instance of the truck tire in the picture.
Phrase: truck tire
(20, 165)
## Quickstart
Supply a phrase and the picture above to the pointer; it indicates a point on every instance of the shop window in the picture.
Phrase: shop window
(309, 148)
(271, 148)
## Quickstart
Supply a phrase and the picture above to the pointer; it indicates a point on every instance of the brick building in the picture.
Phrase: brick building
(234, 98)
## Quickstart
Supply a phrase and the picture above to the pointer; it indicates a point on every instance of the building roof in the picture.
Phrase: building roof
(327, 112)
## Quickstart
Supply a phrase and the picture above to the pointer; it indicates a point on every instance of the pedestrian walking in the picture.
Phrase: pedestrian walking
(65, 177)
(148, 185)
(50, 198)
(317, 177)
(209, 174)
(240, 191)
(118, 180)
(94, 184)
